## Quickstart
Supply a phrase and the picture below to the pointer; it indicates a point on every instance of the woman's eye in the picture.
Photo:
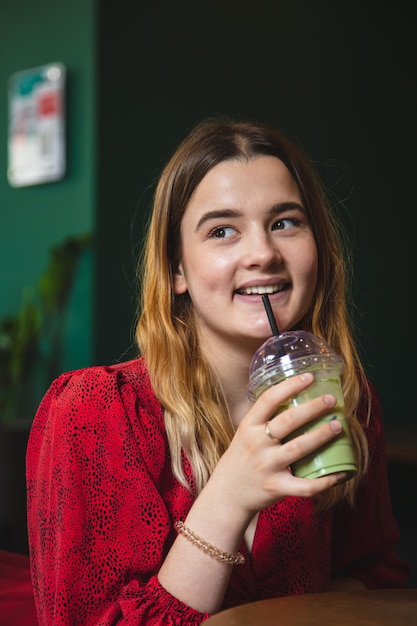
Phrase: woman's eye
(222, 232)
(285, 223)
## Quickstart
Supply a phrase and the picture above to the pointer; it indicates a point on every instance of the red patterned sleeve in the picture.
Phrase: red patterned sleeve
(98, 480)
(365, 537)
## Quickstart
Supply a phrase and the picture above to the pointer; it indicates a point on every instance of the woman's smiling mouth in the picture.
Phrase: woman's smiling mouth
(262, 289)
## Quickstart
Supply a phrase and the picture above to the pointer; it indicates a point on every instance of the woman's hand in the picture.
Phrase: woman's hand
(260, 463)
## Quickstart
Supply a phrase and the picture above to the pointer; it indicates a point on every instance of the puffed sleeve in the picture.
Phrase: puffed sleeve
(365, 537)
(98, 484)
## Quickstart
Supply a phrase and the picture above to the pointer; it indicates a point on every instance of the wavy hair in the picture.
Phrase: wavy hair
(196, 414)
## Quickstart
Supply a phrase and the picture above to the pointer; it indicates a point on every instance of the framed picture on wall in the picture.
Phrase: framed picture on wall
(36, 141)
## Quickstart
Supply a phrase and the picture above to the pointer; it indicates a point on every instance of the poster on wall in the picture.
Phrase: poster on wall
(36, 141)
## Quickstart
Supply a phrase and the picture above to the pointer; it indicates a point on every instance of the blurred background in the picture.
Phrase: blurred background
(338, 76)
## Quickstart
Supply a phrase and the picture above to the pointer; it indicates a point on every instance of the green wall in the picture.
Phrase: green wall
(32, 219)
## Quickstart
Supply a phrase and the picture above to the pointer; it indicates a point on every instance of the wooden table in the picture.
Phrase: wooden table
(379, 607)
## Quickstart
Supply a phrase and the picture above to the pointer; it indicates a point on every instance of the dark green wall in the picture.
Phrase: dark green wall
(339, 76)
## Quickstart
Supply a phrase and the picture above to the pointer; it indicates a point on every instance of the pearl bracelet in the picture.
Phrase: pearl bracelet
(225, 557)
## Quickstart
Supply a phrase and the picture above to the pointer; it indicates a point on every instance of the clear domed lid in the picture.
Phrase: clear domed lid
(290, 353)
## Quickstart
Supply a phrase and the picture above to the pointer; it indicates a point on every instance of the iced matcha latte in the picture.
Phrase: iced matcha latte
(293, 353)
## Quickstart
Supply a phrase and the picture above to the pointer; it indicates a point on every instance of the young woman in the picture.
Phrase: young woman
(155, 493)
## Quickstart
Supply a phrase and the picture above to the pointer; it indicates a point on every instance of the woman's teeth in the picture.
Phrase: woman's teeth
(260, 290)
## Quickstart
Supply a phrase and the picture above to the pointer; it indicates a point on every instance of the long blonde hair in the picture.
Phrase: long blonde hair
(196, 415)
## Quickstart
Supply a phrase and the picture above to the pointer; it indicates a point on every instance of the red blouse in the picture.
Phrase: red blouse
(102, 502)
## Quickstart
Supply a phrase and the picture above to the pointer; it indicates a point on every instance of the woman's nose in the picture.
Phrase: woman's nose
(261, 251)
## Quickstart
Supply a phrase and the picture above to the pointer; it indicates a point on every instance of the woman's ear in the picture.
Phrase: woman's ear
(180, 284)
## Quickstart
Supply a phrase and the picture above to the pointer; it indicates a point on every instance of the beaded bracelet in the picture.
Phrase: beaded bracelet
(225, 557)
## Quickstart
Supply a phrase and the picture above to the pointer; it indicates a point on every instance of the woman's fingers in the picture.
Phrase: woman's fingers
(276, 395)
(289, 485)
(295, 417)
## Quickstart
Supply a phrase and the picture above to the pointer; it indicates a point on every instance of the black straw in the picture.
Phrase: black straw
(270, 314)
(272, 321)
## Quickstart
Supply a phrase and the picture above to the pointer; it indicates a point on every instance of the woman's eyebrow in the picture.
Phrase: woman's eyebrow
(216, 215)
(275, 209)
(284, 207)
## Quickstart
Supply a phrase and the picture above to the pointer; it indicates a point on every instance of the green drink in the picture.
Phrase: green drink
(293, 353)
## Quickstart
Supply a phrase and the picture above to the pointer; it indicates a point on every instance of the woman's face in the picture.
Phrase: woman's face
(245, 233)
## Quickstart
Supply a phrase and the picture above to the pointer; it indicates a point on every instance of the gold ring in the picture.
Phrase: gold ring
(270, 435)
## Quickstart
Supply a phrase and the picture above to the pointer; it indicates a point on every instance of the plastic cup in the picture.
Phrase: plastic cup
(292, 353)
